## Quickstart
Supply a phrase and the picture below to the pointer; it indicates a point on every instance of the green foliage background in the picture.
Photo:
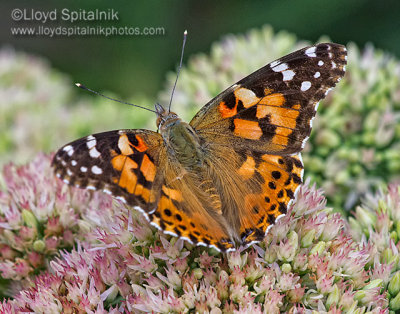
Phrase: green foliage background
(137, 65)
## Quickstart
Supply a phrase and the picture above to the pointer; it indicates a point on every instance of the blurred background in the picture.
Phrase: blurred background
(136, 65)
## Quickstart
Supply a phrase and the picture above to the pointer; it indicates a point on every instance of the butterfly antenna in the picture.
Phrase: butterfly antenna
(100, 94)
(179, 69)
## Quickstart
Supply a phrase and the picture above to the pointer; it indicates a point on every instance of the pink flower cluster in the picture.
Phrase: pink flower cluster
(310, 260)
(39, 216)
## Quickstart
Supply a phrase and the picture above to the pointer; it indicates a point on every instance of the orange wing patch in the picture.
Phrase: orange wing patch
(133, 175)
(227, 112)
(148, 168)
(281, 178)
(247, 129)
(197, 228)
(247, 169)
(275, 99)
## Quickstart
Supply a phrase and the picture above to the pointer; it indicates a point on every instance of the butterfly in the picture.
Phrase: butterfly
(226, 177)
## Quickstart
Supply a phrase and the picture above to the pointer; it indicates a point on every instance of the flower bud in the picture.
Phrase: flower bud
(394, 284)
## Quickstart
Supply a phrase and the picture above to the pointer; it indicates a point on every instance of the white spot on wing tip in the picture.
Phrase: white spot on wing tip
(317, 74)
(66, 181)
(94, 153)
(91, 187)
(73, 162)
(274, 63)
(305, 86)
(69, 150)
(96, 170)
(288, 75)
(320, 63)
(83, 169)
(281, 67)
(311, 52)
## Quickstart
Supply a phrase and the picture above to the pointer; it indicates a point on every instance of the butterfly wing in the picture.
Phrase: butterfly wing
(123, 163)
(133, 165)
(265, 120)
(271, 109)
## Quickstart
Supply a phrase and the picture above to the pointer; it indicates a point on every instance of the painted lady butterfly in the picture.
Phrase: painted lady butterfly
(223, 179)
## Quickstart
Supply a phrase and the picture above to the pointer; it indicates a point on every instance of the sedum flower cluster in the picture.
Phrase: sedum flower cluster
(39, 217)
(355, 142)
(312, 259)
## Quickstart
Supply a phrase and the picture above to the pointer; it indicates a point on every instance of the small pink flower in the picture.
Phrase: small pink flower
(238, 292)
(35, 259)
(52, 244)
(210, 276)
(143, 264)
(173, 279)
(296, 294)
(53, 226)
(222, 285)
(300, 261)
(154, 283)
(287, 282)
(273, 301)
(324, 284)
(347, 299)
(237, 276)
(237, 259)
(108, 270)
(266, 283)
(6, 252)
(27, 234)
(22, 268)
(332, 227)
(286, 251)
(7, 269)
(205, 260)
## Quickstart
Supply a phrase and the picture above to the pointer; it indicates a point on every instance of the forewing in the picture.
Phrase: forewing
(271, 109)
(123, 163)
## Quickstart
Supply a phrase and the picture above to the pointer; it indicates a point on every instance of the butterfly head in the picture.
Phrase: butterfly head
(165, 119)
